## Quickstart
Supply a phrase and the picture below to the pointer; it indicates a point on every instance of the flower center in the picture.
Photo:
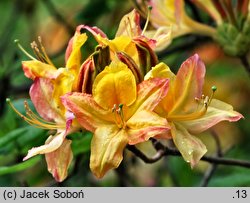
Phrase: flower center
(35, 120)
(202, 105)
(119, 116)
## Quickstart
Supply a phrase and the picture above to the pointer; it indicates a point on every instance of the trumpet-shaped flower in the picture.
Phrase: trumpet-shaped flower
(49, 84)
(132, 44)
(171, 13)
(118, 112)
(187, 110)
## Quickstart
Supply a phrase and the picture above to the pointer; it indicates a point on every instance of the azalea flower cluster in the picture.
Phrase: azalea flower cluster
(230, 27)
(122, 94)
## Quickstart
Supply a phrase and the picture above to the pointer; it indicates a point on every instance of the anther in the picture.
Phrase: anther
(196, 99)
(214, 88)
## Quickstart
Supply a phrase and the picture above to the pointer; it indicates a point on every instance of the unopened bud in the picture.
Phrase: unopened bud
(126, 59)
(86, 77)
(147, 57)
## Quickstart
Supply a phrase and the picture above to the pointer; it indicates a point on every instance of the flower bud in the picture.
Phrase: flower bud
(86, 77)
(147, 57)
(126, 59)
(235, 41)
(91, 68)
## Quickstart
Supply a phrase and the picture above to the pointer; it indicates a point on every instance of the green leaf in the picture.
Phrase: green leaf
(82, 144)
(231, 180)
(12, 135)
(19, 167)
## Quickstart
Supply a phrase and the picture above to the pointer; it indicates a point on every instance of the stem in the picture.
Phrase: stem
(175, 152)
(211, 170)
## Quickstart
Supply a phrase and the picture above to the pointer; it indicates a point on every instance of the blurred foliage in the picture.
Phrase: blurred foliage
(26, 20)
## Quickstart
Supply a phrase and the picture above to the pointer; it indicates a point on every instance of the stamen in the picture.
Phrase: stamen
(204, 101)
(147, 21)
(33, 119)
(44, 51)
(23, 50)
(213, 88)
(36, 51)
(119, 116)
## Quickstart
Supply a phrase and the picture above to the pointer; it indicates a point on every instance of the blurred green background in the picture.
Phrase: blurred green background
(55, 21)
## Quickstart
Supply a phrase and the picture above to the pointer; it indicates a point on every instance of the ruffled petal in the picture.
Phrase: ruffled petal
(115, 85)
(88, 113)
(217, 111)
(129, 25)
(190, 147)
(51, 144)
(73, 53)
(162, 36)
(107, 147)
(41, 93)
(149, 94)
(144, 125)
(59, 161)
(188, 86)
(33, 69)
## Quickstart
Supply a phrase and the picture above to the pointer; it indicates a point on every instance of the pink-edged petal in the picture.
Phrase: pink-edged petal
(190, 147)
(88, 113)
(144, 125)
(217, 111)
(73, 52)
(149, 94)
(59, 161)
(52, 144)
(188, 86)
(162, 36)
(129, 25)
(33, 69)
(95, 31)
(41, 93)
(107, 147)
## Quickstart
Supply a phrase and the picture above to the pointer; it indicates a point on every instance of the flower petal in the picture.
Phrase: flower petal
(217, 111)
(144, 125)
(88, 113)
(34, 68)
(188, 85)
(190, 147)
(114, 85)
(73, 56)
(150, 93)
(162, 35)
(129, 25)
(107, 147)
(41, 93)
(51, 144)
(59, 161)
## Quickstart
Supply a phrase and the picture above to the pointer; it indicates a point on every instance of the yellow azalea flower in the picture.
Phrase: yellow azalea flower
(187, 110)
(49, 84)
(132, 43)
(119, 112)
(170, 16)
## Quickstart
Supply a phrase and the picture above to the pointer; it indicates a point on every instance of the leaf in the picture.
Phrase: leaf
(231, 180)
(82, 145)
(12, 135)
(19, 167)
